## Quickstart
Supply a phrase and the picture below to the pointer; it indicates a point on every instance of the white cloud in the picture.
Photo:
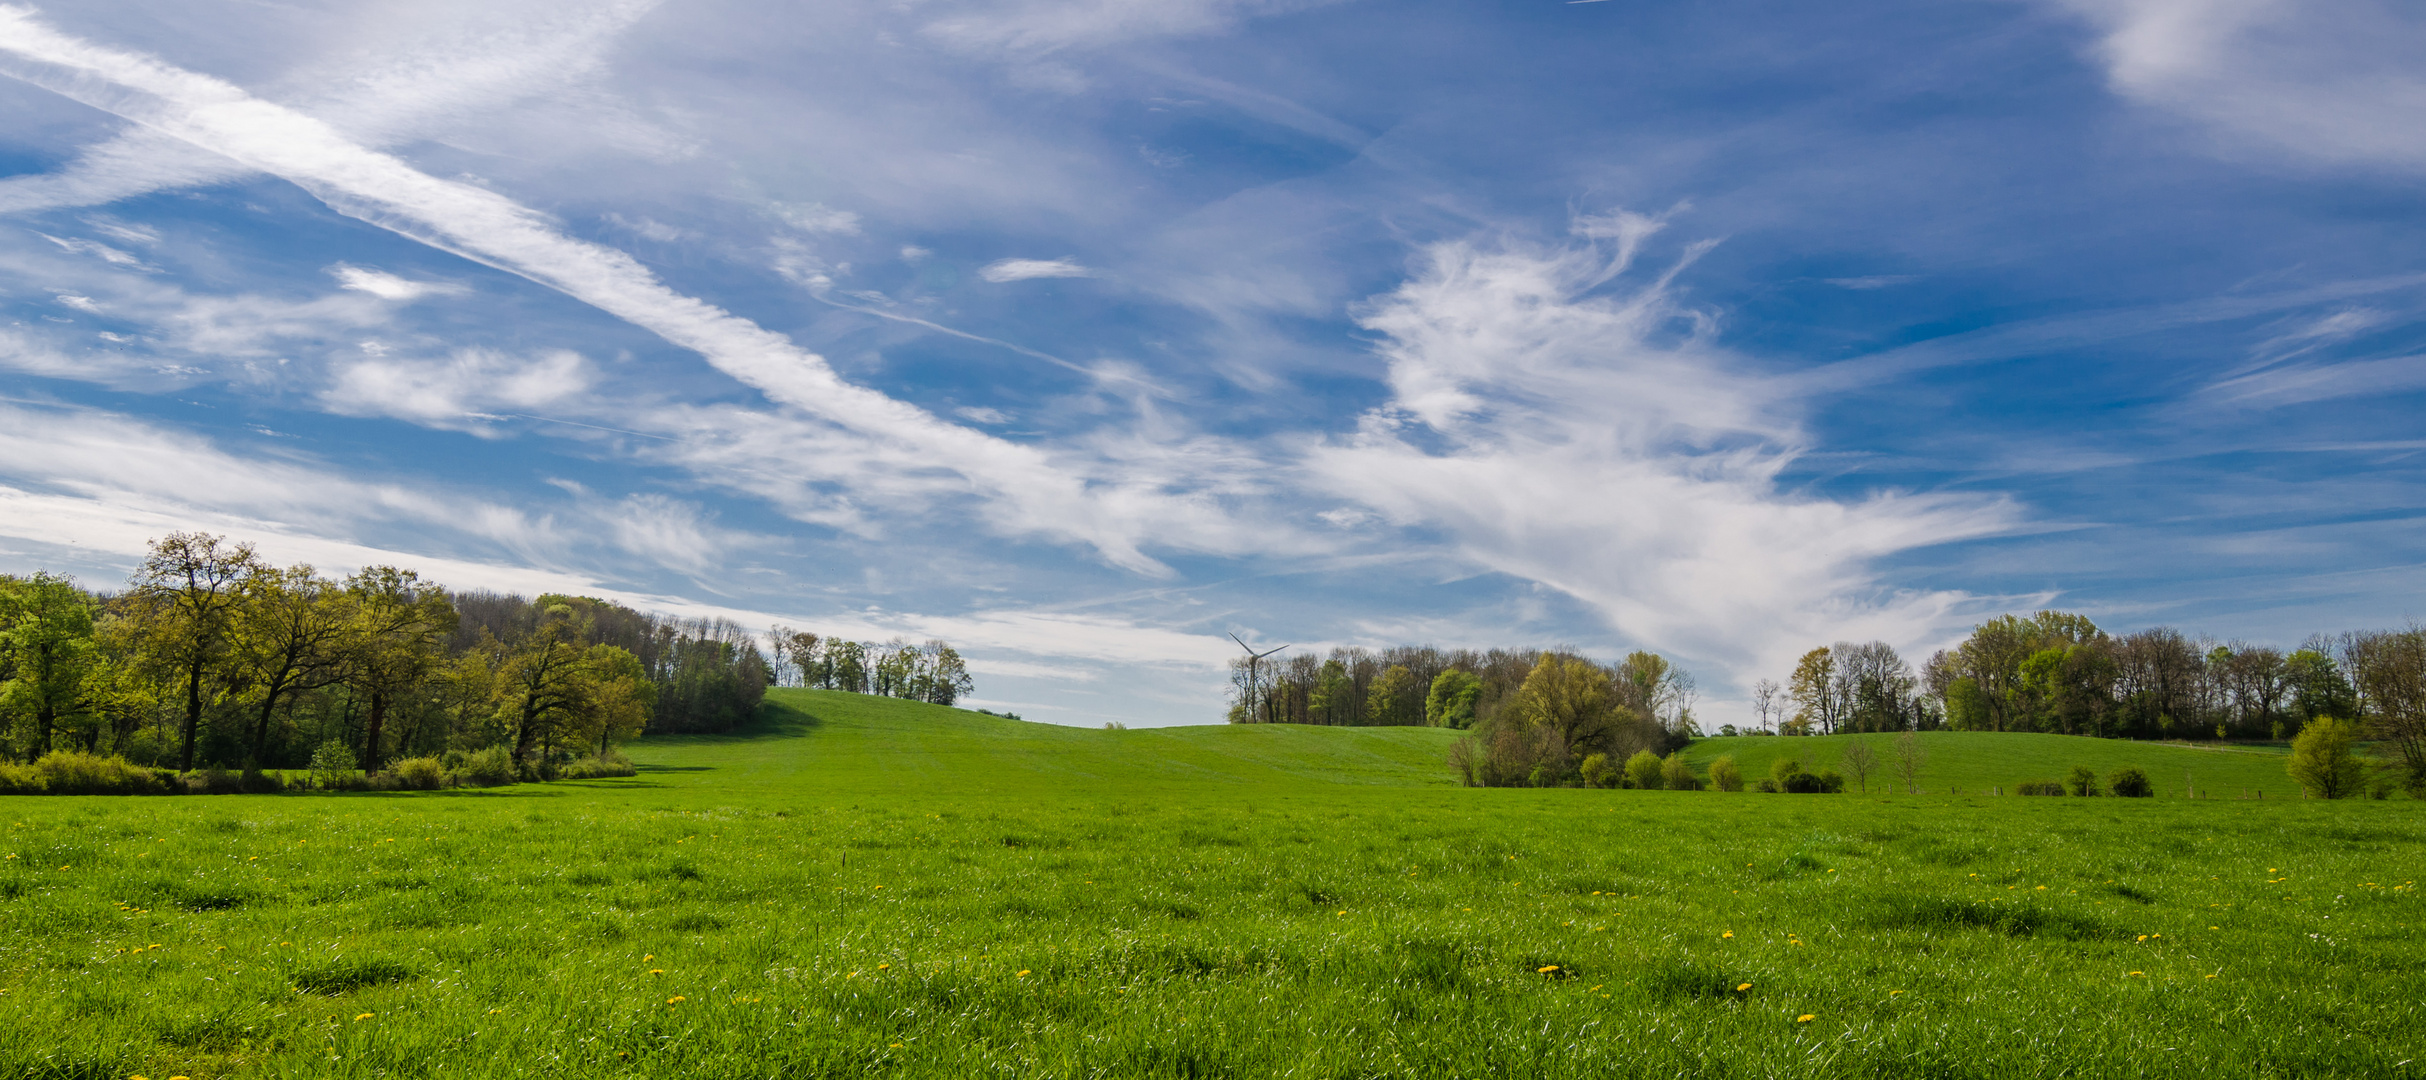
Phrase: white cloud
(98, 250)
(384, 285)
(1024, 269)
(1026, 491)
(1874, 281)
(2334, 81)
(1043, 26)
(817, 218)
(80, 303)
(1576, 439)
(459, 390)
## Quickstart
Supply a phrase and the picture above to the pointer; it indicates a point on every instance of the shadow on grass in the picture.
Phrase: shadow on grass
(775, 720)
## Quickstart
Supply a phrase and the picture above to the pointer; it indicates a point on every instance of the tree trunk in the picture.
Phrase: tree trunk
(44, 718)
(261, 731)
(370, 744)
(193, 711)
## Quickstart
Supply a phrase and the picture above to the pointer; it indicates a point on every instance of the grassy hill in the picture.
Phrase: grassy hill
(861, 886)
(1980, 761)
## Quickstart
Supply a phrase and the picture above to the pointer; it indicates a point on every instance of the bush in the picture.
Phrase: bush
(1677, 775)
(1600, 774)
(69, 772)
(332, 765)
(1823, 782)
(1644, 771)
(607, 764)
(421, 773)
(1782, 770)
(493, 767)
(1724, 775)
(2039, 787)
(1769, 787)
(2083, 781)
(21, 780)
(2129, 782)
(2324, 763)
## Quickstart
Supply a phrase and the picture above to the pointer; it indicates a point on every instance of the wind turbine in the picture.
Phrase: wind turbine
(1254, 663)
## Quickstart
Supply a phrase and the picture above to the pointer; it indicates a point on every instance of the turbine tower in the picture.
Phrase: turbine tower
(1255, 700)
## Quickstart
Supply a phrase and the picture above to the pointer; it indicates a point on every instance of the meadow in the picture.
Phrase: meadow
(864, 886)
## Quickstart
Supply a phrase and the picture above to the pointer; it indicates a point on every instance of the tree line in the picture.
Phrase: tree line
(2059, 673)
(933, 673)
(1534, 716)
(215, 657)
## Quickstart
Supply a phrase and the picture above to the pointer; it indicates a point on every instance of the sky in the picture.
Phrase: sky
(1085, 334)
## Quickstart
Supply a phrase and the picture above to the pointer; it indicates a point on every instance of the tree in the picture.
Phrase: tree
(553, 689)
(398, 638)
(1765, 704)
(1724, 775)
(2318, 687)
(186, 592)
(291, 632)
(796, 649)
(1862, 760)
(2389, 667)
(1813, 688)
(2323, 759)
(1909, 757)
(1334, 699)
(947, 675)
(1396, 698)
(1450, 703)
(847, 666)
(1677, 775)
(1570, 696)
(48, 651)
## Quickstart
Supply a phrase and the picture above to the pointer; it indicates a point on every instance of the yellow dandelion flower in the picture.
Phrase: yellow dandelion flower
(1892, 993)
(1023, 973)
(2211, 976)
(646, 957)
(1343, 912)
(2042, 888)
(656, 971)
(1728, 934)
(1545, 969)
(364, 1016)
(2143, 937)
(881, 967)
(2135, 973)
(2215, 928)
(1741, 987)
(1805, 1018)
(675, 998)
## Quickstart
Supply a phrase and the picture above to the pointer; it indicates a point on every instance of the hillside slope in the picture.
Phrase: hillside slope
(1977, 762)
(850, 743)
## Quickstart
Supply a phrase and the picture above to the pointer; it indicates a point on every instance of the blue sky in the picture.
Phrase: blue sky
(1083, 333)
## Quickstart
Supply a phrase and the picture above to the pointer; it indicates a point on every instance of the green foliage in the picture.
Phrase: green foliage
(1677, 775)
(1645, 771)
(2129, 782)
(1724, 775)
(2324, 760)
(1823, 782)
(1450, 704)
(1600, 773)
(1784, 769)
(421, 773)
(72, 772)
(2039, 787)
(2082, 781)
(490, 767)
(332, 763)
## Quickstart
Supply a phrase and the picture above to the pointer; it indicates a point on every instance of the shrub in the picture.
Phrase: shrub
(493, 767)
(1769, 787)
(1823, 782)
(1599, 773)
(2129, 782)
(1782, 770)
(69, 772)
(2039, 787)
(1677, 775)
(2083, 781)
(1644, 771)
(2323, 761)
(21, 780)
(1724, 775)
(332, 764)
(607, 764)
(421, 773)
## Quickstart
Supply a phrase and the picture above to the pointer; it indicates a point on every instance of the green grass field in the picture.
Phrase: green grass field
(870, 887)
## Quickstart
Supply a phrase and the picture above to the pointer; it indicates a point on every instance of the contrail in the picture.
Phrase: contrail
(488, 228)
